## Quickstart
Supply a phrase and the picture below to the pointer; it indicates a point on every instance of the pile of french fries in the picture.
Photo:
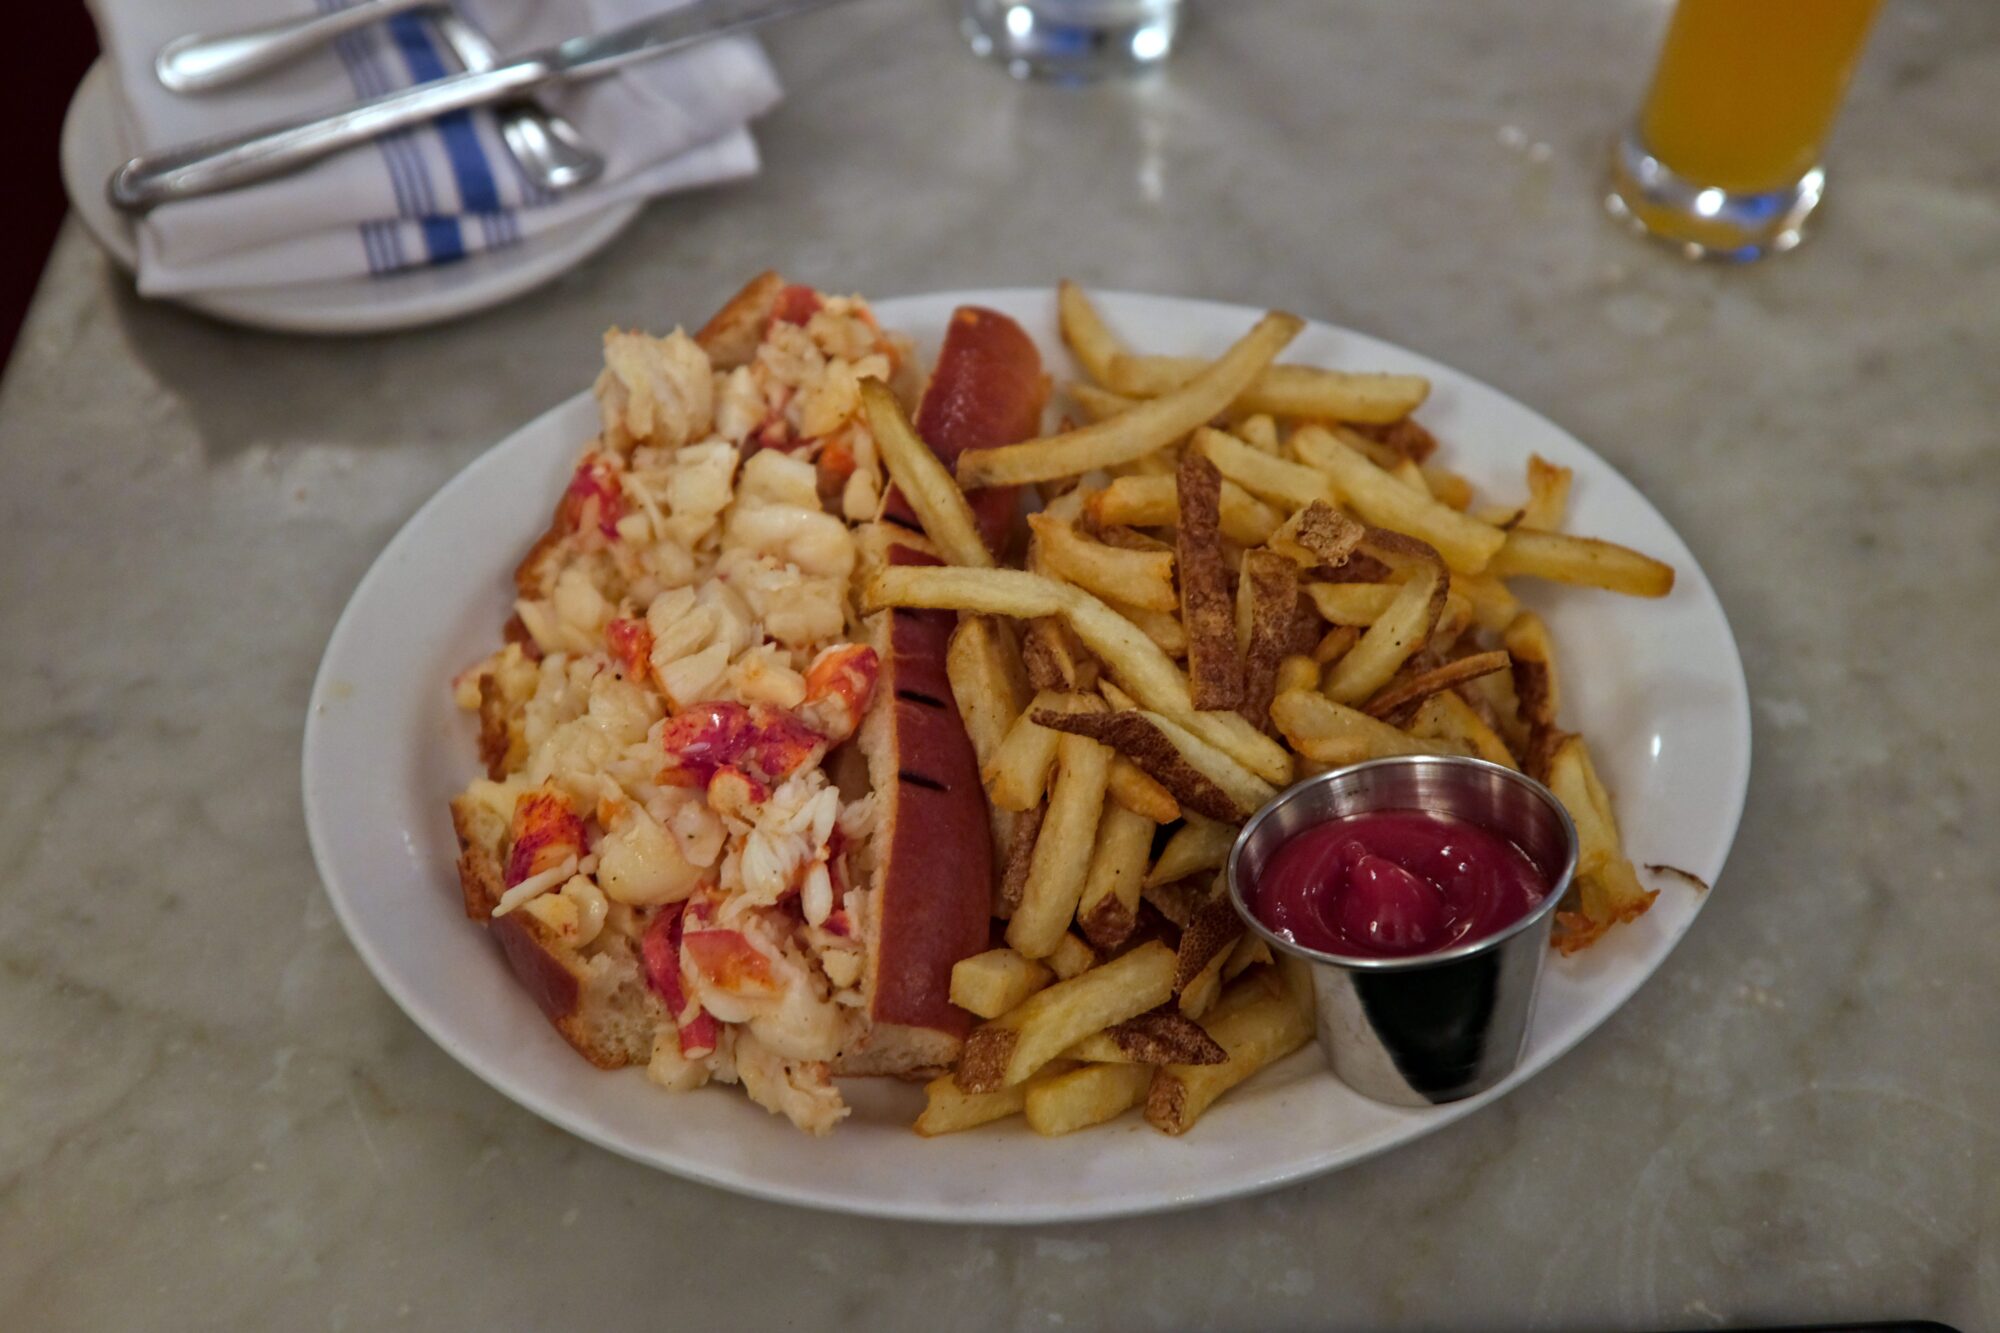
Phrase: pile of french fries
(1241, 573)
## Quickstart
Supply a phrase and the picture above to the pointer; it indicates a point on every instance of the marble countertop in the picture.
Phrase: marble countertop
(210, 1116)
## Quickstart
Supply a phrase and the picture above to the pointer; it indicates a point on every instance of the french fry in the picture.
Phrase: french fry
(1162, 627)
(1397, 439)
(1100, 404)
(1109, 907)
(1358, 604)
(1141, 793)
(1447, 487)
(1258, 431)
(948, 1108)
(1335, 644)
(1290, 485)
(1152, 502)
(1299, 672)
(1334, 734)
(988, 682)
(1085, 333)
(989, 984)
(1135, 433)
(1012, 1047)
(1072, 957)
(1449, 717)
(1317, 535)
(1305, 393)
(939, 504)
(1493, 603)
(1198, 845)
(1020, 843)
(1406, 471)
(1158, 1037)
(1536, 684)
(1205, 947)
(1403, 694)
(1607, 888)
(1018, 774)
(1466, 544)
(1255, 1034)
(1215, 672)
(1084, 1097)
(1062, 849)
(1267, 598)
(1141, 578)
(1391, 639)
(1548, 495)
(1135, 660)
(1199, 777)
(1584, 561)
(1054, 658)
(1250, 951)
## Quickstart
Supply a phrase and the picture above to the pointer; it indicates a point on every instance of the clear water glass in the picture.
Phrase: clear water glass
(1072, 41)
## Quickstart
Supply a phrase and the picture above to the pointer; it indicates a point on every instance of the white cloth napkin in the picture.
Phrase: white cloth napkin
(428, 195)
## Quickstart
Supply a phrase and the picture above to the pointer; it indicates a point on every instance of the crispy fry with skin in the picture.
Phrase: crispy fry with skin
(1109, 907)
(1175, 901)
(1141, 793)
(1020, 856)
(1133, 434)
(1318, 535)
(939, 504)
(1198, 845)
(1012, 1047)
(1406, 438)
(1085, 333)
(1548, 495)
(1142, 578)
(1135, 660)
(1288, 484)
(1250, 951)
(1199, 777)
(1157, 1037)
(1584, 561)
(1607, 889)
(1256, 1033)
(1215, 672)
(1054, 658)
(1206, 943)
(1267, 597)
(1402, 695)
(1536, 685)
(1153, 502)
(1062, 848)
(1306, 393)
(1466, 544)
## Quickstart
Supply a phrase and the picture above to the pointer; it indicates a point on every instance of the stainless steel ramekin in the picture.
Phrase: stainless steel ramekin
(1434, 1027)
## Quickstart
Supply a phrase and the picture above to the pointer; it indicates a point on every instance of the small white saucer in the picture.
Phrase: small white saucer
(93, 146)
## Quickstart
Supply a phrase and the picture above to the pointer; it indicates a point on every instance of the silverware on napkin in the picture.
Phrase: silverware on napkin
(214, 165)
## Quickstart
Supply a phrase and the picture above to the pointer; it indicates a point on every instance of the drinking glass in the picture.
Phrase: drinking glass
(1724, 160)
(1072, 41)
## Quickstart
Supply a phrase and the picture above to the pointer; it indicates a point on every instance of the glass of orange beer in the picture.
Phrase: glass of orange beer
(1724, 161)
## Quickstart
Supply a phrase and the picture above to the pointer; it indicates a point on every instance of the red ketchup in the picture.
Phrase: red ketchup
(1393, 883)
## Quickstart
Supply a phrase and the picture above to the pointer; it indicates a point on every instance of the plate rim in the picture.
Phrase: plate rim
(803, 1194)
(491, 278)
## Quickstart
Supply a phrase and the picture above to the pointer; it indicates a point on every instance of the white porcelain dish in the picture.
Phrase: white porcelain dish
(1657, 686)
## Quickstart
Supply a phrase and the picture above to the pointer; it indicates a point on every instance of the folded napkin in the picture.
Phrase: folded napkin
(435, 193)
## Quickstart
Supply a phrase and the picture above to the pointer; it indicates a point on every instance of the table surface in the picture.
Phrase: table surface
(211, 1116)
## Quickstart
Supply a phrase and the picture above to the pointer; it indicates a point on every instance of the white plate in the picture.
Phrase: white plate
(1657, 686)
(93, 146)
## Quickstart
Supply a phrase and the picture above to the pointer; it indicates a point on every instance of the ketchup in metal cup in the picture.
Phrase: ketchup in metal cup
(1394, 883)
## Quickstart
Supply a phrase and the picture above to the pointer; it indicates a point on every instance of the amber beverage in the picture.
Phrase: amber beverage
(1725, 157)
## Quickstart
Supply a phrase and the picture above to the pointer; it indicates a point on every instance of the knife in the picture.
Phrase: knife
(213, 165)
